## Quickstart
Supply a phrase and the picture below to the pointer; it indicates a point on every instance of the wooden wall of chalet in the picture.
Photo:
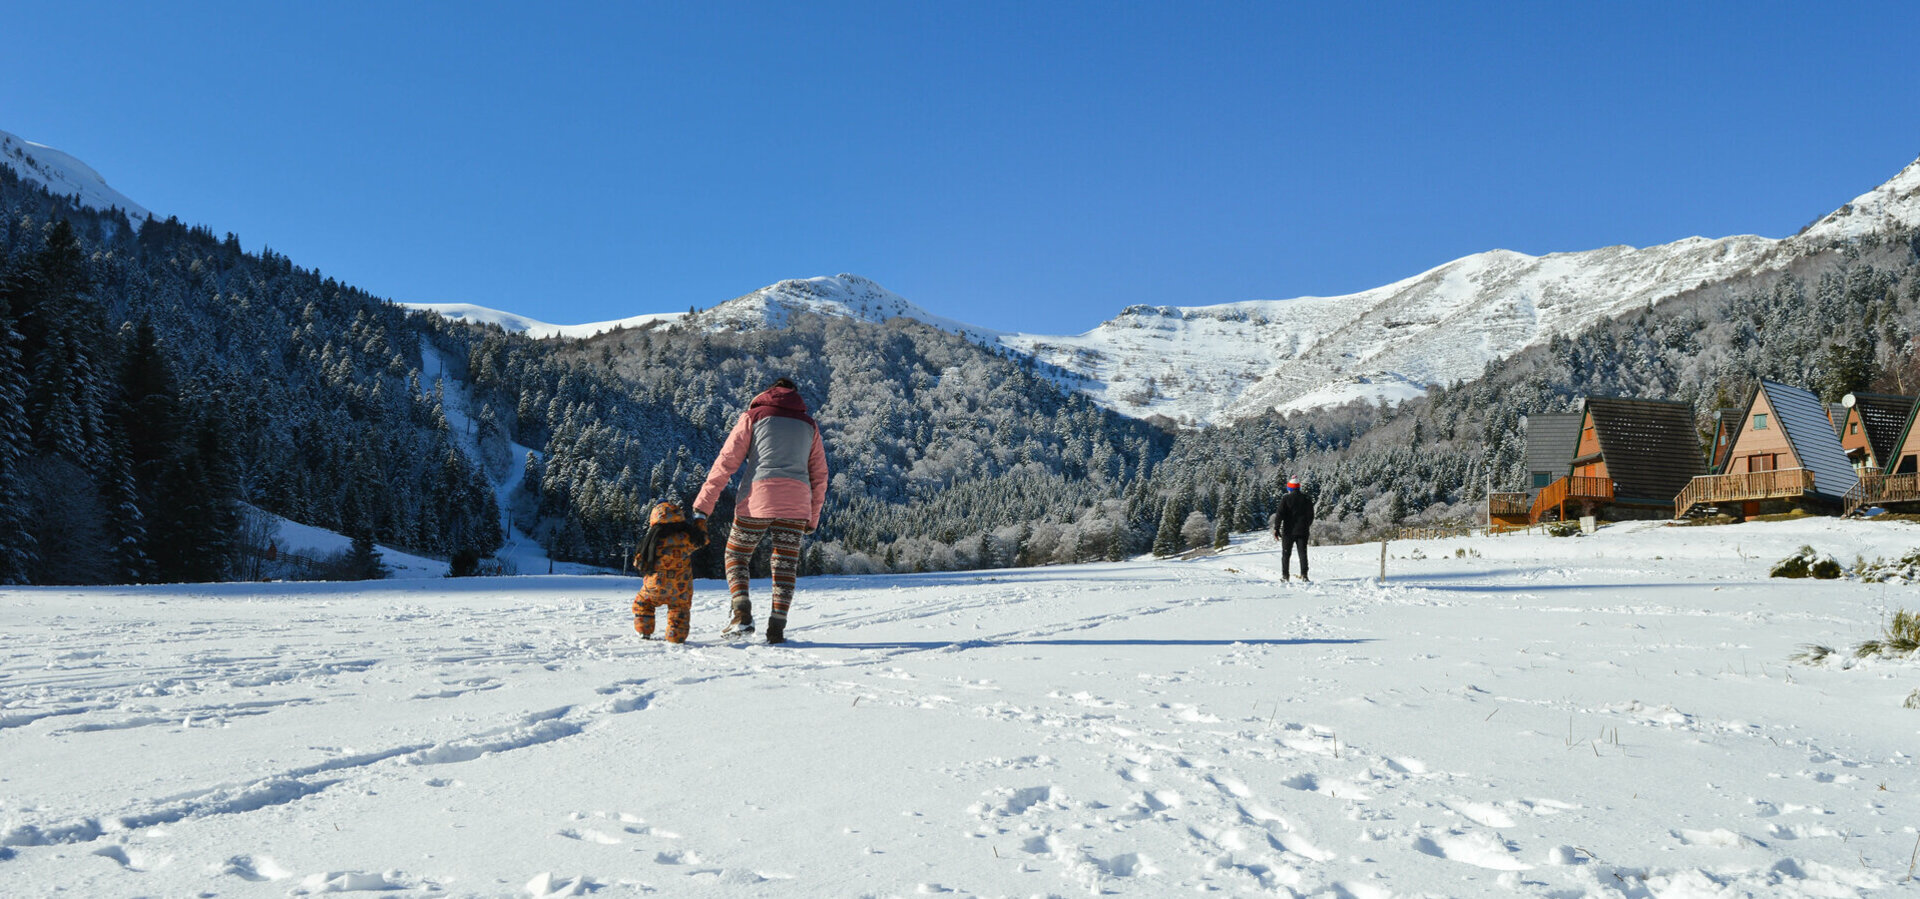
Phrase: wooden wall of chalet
(1766, 447)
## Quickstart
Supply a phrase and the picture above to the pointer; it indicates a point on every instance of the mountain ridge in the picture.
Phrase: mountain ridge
(64, 174)
(1204, 365)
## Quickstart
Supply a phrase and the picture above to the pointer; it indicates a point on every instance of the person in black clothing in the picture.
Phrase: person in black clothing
(1291, 525)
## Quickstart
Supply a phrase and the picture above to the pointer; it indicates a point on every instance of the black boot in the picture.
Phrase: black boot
(742, 621)
(777, 629)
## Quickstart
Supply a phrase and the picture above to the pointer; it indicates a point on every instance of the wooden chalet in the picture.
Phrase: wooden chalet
(1783, 450)
(1630, 457)
(1895, 482)
(1870, 427)
(1552, 438)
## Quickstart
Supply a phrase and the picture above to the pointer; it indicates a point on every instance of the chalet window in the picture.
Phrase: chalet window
(1853, 427)
(1760, 462)
(1541, 479)
(1759, 421)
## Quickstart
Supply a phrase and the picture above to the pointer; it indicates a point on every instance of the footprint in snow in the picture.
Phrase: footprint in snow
(133, 861)
(547, 884)
(1478, 849)
(254, 868)
(1481, 813)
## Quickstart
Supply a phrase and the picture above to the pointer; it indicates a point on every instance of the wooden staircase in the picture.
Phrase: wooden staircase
(1876, 489)
(1555, 496)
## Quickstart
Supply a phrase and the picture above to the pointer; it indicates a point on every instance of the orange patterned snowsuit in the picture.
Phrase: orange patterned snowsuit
(671, 582)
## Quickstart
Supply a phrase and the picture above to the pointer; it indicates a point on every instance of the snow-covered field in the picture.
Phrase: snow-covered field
(1612, 715)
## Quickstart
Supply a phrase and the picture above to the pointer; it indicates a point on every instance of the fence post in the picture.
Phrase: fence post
(1383, 559)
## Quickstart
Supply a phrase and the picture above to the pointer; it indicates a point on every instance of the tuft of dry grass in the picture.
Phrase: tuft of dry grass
(1901, 637)
(1811, 653)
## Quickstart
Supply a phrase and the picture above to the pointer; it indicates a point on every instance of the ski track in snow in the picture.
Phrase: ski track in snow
(1541, 721)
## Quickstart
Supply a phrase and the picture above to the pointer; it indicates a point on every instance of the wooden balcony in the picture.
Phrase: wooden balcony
(1721, 489)
(1555, 496)
(1508, 511)
(1876, 489)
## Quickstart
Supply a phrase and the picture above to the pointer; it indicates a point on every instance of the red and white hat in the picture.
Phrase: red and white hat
(1293, 483)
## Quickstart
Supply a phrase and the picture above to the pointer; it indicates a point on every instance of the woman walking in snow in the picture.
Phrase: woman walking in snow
(783, 484)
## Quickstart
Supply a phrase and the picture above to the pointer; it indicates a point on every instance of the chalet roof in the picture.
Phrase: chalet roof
(1883, 416)
(1837, 417)
(1804, 420)
(1552, 438)
(1650, 446)
(1900, 441)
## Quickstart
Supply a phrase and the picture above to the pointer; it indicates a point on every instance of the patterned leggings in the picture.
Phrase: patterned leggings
(745, 538)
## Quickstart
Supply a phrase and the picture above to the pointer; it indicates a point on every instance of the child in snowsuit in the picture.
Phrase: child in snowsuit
(665, 560)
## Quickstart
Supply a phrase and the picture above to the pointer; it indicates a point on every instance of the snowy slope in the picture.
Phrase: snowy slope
(1202, 365)
(62, 174)
(850, 296)
(520, 324)
(1206, 364)
(1604, 716)
(521, 553)
(1893, 204)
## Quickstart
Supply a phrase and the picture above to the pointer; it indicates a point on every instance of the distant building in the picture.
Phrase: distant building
(1783, 451)
(1630, 457)
(1870, 427)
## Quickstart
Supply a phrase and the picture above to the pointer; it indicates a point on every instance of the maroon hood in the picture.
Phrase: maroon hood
(781, 401)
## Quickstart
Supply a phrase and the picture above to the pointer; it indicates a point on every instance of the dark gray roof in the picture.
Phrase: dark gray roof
(1837, 416)
(1552, 438)
(1805, 421)
(1883, 416)
(1650, 446)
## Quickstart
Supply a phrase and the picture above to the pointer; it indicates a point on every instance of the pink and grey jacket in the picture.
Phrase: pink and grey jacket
(783, 466)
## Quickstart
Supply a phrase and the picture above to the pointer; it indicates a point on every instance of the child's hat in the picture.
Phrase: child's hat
(665, 512)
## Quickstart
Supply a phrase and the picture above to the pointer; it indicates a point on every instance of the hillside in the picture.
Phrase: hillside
(1203, 365)
(63, 175)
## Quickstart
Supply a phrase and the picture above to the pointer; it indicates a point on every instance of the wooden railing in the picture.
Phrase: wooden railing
(1876, 489)
(1508, 511)
(1715, 489)
(1557, 494)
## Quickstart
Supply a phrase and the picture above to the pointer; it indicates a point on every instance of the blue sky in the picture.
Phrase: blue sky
(1025, 166)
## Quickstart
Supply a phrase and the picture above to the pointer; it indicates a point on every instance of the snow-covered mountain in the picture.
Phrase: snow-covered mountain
(1209, 364)
(520, 324)
(62, 174)
(1203, 365)
(846, 295)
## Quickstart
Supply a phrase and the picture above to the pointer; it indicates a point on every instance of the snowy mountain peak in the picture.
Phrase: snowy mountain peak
(60, 173)
(844, 295)
(1893, 204)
